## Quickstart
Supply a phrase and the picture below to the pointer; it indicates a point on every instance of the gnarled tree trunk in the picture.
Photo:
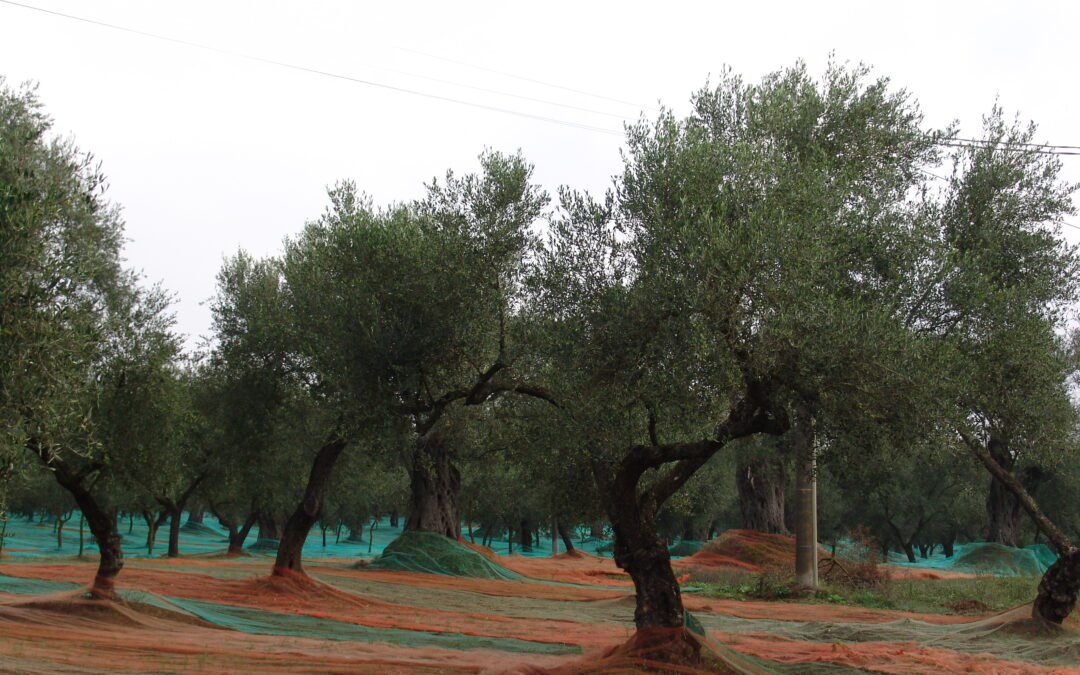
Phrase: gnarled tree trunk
(762, 483)
(645, 557)
(1003, 509)
(298, 526)
(434, 487)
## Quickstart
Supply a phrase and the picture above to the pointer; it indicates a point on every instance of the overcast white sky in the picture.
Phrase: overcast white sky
(209, 152)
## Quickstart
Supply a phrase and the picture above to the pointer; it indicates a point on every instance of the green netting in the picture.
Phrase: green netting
(264, 545)
(1000, 560)
(33, 586)
(1009, 635)
(1044, 553)
(981, 557)
(686, 547)
(691, 623)
(433, 553)
(199, 529)
(261, 622)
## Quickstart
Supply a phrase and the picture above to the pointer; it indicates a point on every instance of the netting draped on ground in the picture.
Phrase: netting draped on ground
(214, 615)
(445, 606)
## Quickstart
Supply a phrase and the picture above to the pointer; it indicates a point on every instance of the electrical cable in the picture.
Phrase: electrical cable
(324, 73)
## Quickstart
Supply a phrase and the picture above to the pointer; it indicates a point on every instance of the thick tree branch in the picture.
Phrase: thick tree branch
(1058, 538)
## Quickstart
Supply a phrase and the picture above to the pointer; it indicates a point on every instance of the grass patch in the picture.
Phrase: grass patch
(933, 596)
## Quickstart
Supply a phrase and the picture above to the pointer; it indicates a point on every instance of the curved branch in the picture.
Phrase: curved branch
(1058, 538)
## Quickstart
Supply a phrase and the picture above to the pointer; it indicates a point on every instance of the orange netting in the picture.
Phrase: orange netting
(666, 650)
(178, 618)
(744, 551)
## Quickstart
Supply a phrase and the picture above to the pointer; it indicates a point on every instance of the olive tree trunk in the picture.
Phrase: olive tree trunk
(434, 487)
(299, 525)
(99, 514)
(762, 483)
(1003, 508)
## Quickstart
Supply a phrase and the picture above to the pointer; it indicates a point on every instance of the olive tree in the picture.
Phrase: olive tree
(1005, 282)
(737, 278)
(70, 315)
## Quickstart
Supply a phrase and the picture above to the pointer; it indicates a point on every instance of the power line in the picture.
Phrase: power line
(983, 141)
(323, 73)
(955, 142)
(526, 79)
(1010, 147)
(500, 93)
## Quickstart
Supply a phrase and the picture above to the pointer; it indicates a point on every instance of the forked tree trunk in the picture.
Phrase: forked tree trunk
(434, 486)
(151, 529)
(60, 521)
(762, 483)
(237, 534)
(176, 511)
(299, 525)
(100, 516)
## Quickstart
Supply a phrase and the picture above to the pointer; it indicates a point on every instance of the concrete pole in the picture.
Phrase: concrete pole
(806, 526)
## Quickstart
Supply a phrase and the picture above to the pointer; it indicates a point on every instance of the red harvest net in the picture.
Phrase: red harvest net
(569, 614)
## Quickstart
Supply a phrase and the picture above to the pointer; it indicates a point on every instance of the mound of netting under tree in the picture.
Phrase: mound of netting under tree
(999, 560)
(415, 551)
(983, 558)
(744, 551)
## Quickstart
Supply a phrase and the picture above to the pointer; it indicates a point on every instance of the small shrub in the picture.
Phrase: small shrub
(771, 586)
(861, 568)
(721, 577)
